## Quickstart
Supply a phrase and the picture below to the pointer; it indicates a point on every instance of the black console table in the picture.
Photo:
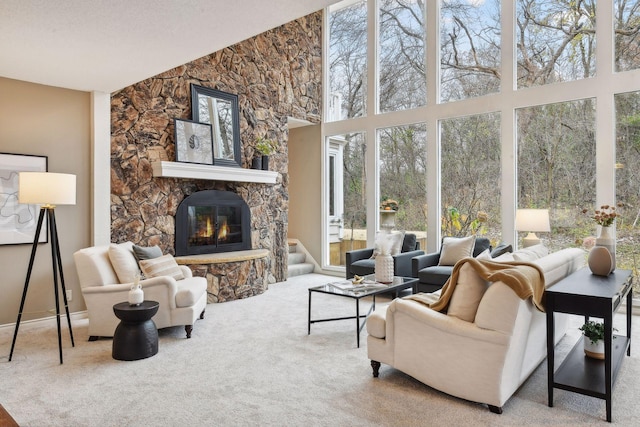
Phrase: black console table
(136, 337)
(586, 294)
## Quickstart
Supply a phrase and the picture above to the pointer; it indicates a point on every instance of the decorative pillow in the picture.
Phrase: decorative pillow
(467, 294)
(456, 248)
(146, 253)
(388, 242)
(165, 265)
(409, 242)
(123, 261)
(502, 248)
(531, 253)
(484, 255)
(505, 257)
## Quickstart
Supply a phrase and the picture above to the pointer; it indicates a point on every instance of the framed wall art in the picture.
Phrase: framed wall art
(194, 142)
(18, 222)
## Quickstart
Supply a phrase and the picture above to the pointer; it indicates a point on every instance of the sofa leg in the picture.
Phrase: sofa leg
(202, 315)
(94, 338)
(188, 329)
(376, 368)
(495, 409)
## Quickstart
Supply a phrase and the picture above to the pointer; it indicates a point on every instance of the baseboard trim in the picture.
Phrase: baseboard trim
(74, 315)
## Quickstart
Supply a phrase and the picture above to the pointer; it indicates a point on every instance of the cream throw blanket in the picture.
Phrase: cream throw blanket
(526, 280)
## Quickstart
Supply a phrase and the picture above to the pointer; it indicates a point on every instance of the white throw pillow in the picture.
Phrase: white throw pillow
(123, 261)
(456, 248)
(506, 257)
(486, 254)
(165, 265)
(467, 294)
(531, 253)
(388, 242)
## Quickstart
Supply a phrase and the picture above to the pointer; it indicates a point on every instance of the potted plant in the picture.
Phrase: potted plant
(593, 333)
(265, 147)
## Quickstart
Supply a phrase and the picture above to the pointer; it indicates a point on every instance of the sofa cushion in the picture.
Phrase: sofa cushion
(486, 255)
(388, 242)
(505, 257)
(190, 290)
(481, 244)
(502, 248)
(141, 252)
(409, 243)
(362, 267)
(123, 261)
(436, 275)
(467, 294)
(165, 265)
(531, 253)
(456, 248)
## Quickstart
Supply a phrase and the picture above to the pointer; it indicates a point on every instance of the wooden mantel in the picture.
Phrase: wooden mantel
(214, 173)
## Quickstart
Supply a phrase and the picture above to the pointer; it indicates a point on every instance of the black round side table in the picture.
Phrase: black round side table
(136, 336)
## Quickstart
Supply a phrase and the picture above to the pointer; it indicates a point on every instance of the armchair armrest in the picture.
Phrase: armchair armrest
(424, 261)
(447, 324)
(402, 263)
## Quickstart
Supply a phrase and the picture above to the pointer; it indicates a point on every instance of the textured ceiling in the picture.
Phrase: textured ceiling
(97, 45)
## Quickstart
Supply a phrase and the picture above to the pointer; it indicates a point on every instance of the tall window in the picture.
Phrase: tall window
(470, 168)
(348, 60)
(536, 132)
(628, 180)
(556, 41)
(469, 48)
(557, 167)
(349, 230)
(403, 167)
(403, 83)
(627, 16)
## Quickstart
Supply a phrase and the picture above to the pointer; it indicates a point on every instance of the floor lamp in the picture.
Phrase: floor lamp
(48, 190)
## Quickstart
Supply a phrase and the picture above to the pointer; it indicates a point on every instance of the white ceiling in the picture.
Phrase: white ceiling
(105, 45)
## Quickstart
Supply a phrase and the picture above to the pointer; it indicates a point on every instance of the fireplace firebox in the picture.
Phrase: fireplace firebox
(212, 221)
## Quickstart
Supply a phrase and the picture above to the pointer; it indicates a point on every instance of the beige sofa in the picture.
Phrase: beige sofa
(484, 360)
(182, 302)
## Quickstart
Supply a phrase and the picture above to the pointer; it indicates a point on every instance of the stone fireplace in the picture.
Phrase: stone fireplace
(276, 75)
(212, 221)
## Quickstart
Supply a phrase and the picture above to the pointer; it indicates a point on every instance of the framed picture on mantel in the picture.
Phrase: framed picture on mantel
(194, 142)
(18, 221)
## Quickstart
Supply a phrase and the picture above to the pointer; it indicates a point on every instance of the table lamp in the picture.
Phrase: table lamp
(532, 220)
(48, 190)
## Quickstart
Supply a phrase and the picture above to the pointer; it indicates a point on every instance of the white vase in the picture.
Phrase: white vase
(596, 350)
(607, 239)
(384, 268)
(136, 295)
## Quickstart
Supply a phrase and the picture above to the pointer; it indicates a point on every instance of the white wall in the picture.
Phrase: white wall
(53, 122)
(305, 188)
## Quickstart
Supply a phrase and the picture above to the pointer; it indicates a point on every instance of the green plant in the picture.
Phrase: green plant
(593, 330)
(265, 146)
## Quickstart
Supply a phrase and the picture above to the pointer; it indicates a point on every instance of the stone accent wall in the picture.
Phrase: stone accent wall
(275, 75)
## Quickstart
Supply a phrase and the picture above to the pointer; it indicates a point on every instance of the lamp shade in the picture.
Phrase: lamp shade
(532, 220)
(46, 188)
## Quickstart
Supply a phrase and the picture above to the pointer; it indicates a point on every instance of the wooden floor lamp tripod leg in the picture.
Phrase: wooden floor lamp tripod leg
(57, 268)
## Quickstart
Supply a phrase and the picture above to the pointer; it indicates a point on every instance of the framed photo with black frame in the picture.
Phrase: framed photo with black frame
(18, 222)
(194, 142)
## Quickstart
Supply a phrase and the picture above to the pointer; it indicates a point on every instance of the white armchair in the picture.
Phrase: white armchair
(181, 301)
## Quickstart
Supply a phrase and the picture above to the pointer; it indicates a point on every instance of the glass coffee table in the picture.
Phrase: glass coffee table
(369, 287)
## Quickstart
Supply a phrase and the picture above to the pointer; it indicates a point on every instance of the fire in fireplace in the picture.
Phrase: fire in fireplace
(212, 221)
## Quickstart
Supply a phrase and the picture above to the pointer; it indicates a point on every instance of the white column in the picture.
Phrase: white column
(100, 168)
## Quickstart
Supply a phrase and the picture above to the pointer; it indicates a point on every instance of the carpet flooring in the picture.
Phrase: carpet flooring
(251, 362)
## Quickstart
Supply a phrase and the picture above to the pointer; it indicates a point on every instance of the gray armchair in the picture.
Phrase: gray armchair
(432, 277)
(360, 262)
